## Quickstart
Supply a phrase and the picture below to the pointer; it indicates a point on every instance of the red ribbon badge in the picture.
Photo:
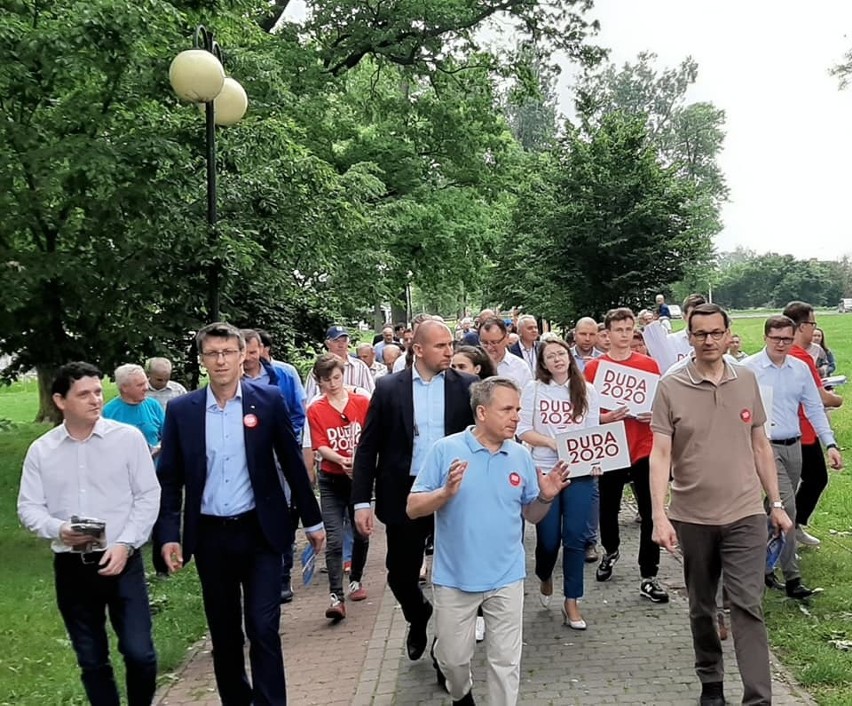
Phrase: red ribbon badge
(250, 421)
(745, 415)
(514, 479)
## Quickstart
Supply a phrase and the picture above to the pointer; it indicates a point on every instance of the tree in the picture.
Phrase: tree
(689, 136)
(374, 145)
(620, 224)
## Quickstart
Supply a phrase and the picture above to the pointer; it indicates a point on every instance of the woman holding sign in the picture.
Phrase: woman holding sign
(560, 400)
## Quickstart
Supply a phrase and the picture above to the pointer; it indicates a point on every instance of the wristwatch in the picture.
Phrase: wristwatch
(130, 548)
(830, 446)
(777, 505)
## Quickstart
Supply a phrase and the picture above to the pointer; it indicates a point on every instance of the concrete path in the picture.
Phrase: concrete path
(634, 652)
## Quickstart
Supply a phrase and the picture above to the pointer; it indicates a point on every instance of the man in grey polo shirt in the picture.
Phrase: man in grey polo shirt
(792, 385)
(708, 431)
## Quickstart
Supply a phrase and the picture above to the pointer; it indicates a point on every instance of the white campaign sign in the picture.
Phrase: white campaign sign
(603, 447)
(622, 386)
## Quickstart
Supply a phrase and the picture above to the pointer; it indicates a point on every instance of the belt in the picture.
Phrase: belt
(85, 557)
(230, 520)
(787, 442)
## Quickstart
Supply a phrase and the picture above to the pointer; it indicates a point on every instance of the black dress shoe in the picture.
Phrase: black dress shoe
(415, 643)
(771, 581)
(796, 589)
(466, 700)
(286, 592)
(712, 694)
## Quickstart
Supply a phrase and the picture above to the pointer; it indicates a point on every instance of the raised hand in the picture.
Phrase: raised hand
(454, 477)
(551, 484)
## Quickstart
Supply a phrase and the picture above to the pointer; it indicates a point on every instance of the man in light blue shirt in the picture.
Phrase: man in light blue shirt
(790, 384)
(481, 485)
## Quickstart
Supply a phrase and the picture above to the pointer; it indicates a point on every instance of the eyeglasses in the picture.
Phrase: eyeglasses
(228, 354)
(489, 344)
(782, 340)
(556, 355)
(808, 323)
(702, 336)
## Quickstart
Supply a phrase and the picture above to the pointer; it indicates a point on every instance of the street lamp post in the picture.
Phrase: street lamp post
(197, 76)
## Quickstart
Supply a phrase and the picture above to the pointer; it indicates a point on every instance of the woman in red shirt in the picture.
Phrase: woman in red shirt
(336, 419)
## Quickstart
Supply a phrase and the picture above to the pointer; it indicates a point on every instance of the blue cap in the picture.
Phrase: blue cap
(335, 332)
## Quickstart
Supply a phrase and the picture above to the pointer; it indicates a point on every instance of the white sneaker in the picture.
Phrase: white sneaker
(480, 628)
(806, 539)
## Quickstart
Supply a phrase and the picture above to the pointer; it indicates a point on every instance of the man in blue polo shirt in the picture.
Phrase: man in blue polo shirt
(480, 483)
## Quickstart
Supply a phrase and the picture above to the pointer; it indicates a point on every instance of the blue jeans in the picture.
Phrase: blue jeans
(567, 523)
(85, 598)
(594, 516)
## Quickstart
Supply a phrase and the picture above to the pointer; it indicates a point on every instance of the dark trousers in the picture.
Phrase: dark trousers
(406, 547)
(814, 480)
(241, 578)
(611, 489)
(85, 598)
(335, 492)
(738, 552)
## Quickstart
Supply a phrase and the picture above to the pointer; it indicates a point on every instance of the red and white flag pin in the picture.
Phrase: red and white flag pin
(250, 421)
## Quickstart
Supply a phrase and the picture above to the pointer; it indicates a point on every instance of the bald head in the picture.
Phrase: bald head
(390, 353)
(586, 335)
(433, 348)
(429, 329)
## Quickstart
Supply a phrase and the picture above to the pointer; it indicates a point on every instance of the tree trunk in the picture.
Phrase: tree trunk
(47, 411)
(378, 318)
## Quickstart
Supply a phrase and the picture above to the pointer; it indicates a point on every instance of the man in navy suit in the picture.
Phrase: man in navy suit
(528, 347)
(408, 413)
(218, 464)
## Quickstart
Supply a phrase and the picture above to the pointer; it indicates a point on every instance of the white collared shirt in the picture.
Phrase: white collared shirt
(108, 476)
(514, 368)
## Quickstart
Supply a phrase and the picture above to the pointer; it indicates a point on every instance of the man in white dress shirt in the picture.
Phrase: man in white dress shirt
(99, 469)
(494, 338)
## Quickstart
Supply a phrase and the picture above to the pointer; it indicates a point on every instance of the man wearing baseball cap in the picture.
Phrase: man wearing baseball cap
(355, 372)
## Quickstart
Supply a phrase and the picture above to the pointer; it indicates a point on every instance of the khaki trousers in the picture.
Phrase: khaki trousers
(455, 622)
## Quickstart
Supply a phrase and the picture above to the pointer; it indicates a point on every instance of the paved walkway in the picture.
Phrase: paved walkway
(634, 652)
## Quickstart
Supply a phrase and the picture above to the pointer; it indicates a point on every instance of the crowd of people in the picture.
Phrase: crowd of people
(451, 438)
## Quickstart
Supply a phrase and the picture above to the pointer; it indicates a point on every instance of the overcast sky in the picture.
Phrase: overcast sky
(788, 150)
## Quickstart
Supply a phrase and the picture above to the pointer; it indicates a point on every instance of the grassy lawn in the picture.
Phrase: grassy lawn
(37, 663)
(801, 635)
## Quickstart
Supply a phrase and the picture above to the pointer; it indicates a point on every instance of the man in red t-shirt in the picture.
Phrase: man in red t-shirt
(620, 324)
(814, 473)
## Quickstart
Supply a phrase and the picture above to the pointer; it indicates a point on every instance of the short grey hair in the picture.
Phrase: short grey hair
(527, 317)
(161, 364)
(362, 346)
(125, 373)
(481, 393)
